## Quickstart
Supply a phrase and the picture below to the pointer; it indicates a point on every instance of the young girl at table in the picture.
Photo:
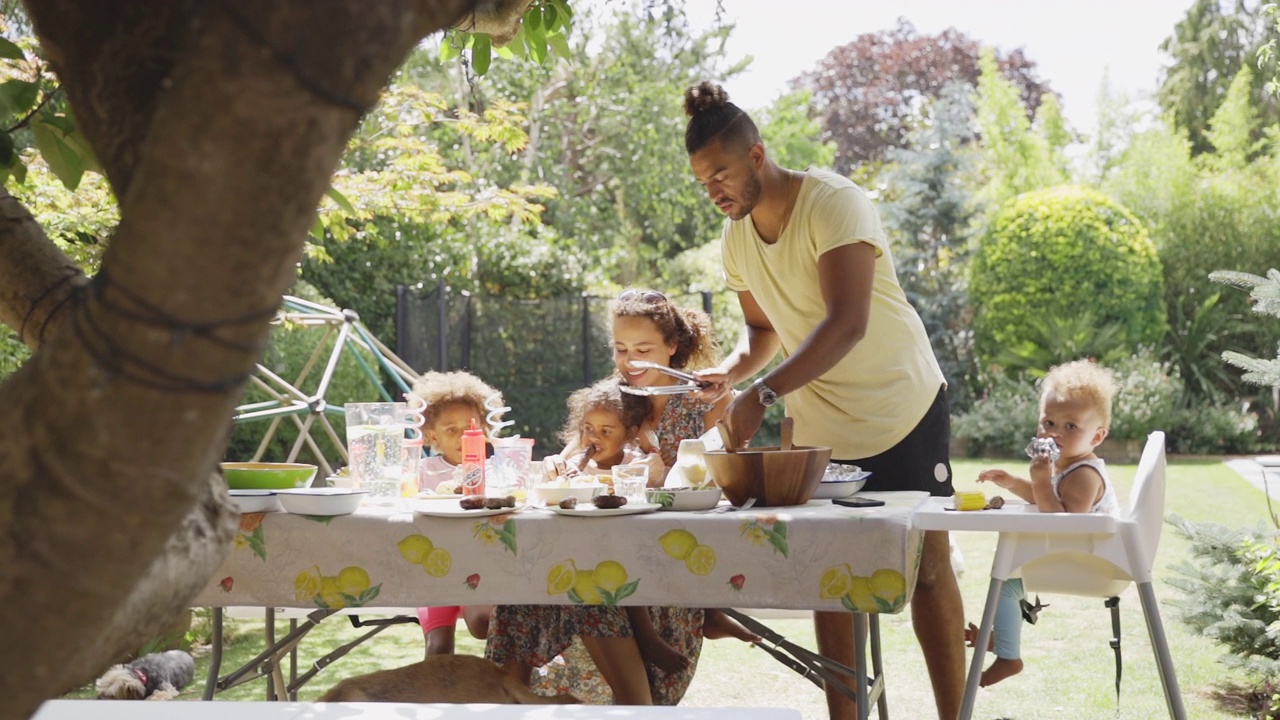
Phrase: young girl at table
(604, 424)
(645, 325)
(1075, 412)
(452, 399)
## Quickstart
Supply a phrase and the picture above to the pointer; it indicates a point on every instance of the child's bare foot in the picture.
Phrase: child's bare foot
(971, 638)
(1000, 669)
(658, 652)
(716, 625)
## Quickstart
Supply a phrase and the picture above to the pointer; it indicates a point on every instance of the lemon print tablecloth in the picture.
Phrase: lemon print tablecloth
(816, 556)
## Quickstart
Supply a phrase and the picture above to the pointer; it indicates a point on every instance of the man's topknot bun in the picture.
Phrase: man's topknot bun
(704, 96)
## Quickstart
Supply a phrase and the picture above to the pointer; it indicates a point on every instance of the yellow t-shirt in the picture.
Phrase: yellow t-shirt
(881, 390)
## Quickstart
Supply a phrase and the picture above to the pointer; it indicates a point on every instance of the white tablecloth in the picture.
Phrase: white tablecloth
(817, 556)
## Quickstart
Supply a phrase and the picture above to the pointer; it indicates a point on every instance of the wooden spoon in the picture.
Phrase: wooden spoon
(788, 431)
(726, 437)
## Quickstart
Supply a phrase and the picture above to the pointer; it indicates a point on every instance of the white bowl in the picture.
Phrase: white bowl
(680, 498)
(550, 495)
(251, 501)
(321, 501)
(828, 490)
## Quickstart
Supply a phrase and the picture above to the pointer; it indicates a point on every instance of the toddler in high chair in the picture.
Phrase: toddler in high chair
(452, 399)
(1075, 413)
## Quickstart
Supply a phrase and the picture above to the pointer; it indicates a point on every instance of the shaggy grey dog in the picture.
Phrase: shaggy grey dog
(158, 676)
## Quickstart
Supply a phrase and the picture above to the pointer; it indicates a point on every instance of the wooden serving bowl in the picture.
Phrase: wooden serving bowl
(771, 475)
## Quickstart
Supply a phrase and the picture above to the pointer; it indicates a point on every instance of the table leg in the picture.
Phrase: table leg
(860, 663)
(215, 656)
(877, 667)
(980, 649)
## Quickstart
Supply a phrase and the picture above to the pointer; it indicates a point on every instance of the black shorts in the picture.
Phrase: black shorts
(922, 461)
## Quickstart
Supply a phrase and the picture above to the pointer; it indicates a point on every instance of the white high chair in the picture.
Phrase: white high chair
(1076, 554)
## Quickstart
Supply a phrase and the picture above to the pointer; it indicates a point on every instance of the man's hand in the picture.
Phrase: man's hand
(717, 385)
(743, 417)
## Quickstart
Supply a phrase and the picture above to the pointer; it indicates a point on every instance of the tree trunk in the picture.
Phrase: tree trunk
(218, 125)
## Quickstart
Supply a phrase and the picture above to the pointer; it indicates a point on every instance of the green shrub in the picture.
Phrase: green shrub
(1055, 253)
(1148, 396)
(1209, 429)
(1231, 592)
(1002, 420)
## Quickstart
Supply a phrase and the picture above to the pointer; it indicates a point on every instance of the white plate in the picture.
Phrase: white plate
(593, 511)
(447, 510)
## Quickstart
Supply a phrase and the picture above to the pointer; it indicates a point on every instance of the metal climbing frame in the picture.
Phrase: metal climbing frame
(307, 409)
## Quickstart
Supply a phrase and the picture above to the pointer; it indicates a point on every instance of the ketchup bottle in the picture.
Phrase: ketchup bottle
(473, 444)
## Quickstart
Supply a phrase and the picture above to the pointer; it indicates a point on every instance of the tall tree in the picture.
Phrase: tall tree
(928, 210)
(607, 132)
(870, 92)
(1015, 157)
(218, 126)
(1207, 49)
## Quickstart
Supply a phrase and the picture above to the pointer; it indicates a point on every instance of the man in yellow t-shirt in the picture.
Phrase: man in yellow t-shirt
(815, 278)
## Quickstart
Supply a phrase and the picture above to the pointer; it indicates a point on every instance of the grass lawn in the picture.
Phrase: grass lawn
(1069, 664)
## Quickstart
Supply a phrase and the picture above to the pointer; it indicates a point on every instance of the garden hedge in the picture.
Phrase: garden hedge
(1060, 252)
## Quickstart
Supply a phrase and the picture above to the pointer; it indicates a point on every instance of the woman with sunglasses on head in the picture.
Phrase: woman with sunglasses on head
(646, 655)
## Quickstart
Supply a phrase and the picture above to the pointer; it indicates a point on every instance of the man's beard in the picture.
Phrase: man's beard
(750, 197)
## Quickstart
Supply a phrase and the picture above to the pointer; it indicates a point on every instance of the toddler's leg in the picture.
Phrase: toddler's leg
(1008, 635)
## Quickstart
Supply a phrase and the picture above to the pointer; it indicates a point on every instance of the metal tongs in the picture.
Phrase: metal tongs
(691, 384)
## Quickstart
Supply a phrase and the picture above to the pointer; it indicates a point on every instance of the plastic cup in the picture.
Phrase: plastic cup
(630, 481)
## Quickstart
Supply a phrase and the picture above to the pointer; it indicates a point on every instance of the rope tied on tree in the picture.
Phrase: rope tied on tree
(118, 361)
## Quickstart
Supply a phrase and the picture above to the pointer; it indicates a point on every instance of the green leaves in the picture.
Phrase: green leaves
(10, 51)
(543, 31)
(62, 147)
(17, 97)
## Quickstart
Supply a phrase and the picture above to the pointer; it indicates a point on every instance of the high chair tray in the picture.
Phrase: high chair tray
(935, 514)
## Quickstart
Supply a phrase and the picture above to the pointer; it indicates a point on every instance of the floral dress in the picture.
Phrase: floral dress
(538, 634)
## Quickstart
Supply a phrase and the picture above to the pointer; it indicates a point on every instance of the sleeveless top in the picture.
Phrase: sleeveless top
(1109, 503)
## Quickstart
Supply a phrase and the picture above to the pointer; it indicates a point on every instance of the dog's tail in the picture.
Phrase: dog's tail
(520, 694)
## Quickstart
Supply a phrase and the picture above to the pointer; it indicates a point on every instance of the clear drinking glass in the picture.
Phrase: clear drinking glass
(511, 460)
(629, 481)
(375, 442)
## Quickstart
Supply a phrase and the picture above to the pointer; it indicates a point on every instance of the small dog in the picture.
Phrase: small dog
(158, 676)
(442, 679)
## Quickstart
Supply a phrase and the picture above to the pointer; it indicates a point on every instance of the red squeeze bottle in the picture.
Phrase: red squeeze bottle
(473, 444)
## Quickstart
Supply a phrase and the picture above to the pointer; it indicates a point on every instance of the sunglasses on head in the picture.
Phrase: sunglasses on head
(649, 297)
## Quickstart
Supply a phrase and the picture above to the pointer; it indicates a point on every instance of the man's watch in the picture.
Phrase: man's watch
(765, 393)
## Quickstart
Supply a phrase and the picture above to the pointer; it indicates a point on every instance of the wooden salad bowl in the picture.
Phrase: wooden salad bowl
(774, 476)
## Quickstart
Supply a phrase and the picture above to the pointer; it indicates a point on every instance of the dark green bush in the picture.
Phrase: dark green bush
(1056, 253)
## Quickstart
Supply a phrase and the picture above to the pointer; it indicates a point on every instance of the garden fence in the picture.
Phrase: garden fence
(535, 351)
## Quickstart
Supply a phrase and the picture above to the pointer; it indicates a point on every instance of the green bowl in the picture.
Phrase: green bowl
(267, 476)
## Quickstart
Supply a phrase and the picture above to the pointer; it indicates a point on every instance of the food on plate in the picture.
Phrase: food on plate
(495, 503)
(995, 503)
(608, 502)
(569, 503)
(449, 487)
(472, 502)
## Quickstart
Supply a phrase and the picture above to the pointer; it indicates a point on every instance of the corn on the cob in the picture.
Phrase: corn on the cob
(970, 501)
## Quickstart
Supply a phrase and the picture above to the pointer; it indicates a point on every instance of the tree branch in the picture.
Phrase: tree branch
(219, 149)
